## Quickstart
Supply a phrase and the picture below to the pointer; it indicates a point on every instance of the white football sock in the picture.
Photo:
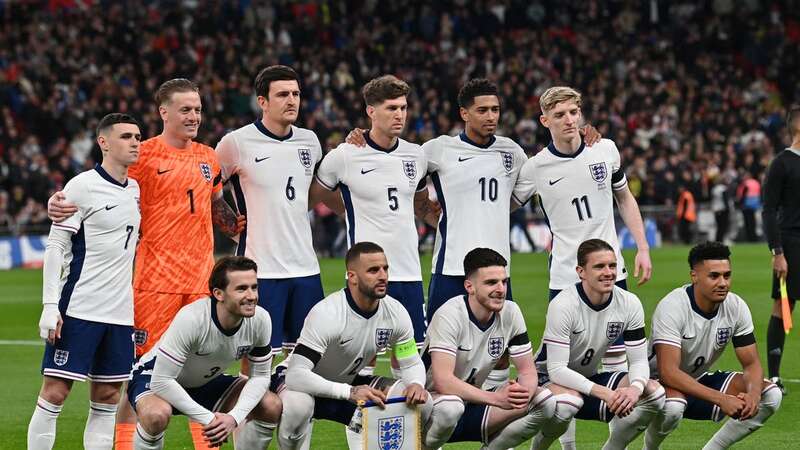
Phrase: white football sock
(254, 434)
(99, 431)
(541, 409)
(664, 423)
(143, 440)
(42, 428)
(735, 430)
(567, 439)
(623, 430)
(567, 405)
(447, 410)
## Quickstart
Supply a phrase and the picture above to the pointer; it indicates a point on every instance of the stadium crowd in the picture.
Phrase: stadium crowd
(693, 94)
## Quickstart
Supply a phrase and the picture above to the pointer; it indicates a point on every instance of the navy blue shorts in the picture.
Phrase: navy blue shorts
(100, 352)
(471, 427)
(211, 395)
(698, 409)
(410, 294)
(444, 287)
(288, 301)
(593, 407)
(618, 344)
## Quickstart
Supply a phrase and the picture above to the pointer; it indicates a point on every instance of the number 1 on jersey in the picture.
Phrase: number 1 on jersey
(577, 202)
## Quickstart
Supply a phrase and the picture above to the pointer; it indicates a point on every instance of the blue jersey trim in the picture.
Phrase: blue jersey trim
(214, 318)
(238, 195)
(437, 185)
(270, 134)
(463, 136)
(352, 303)
(474, 319)
(75, 268)
(374, 145)
(106, 176)
(554, 151)
(585, 298)
(351, 215)
(696, 307)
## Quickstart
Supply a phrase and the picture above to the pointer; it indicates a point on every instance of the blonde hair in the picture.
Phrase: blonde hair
(556, 95)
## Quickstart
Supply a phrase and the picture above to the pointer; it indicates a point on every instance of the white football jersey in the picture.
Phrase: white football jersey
(378, 187)
(474, 185)
(588, 330)
(196, 340)
(347, 338)
(455, 330)
(271, 178)
(577, 199)
(702, 338)
(97, 273)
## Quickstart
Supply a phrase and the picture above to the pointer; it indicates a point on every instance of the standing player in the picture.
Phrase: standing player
(692, 326)
(181, 194)
(341, 335)
(781, 217)
(582, 321)
(271, 164)
(466, 338)
(382, 187)
(185, 371)
(87, 317)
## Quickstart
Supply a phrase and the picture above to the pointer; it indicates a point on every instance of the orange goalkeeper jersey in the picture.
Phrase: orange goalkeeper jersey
(176, 250)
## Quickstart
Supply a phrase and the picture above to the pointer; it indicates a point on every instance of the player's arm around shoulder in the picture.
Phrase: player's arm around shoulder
(525, 186)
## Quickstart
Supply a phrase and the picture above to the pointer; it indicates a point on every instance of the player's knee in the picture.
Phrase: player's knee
(543, 403)
(672, 410)
(105, 392)
(298, 408)
(269, 409)
(567, 405)
(654, 394)
(771, 399)
(55, 390)
(447, 410)
(155, 417)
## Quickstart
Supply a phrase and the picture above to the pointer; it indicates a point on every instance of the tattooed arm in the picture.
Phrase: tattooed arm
(224, 217)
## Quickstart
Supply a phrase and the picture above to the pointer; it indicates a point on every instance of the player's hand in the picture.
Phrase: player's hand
(780, 266)
(642, 267)
(364, 393)
(50, 323)
(356, 137)
(59, 209)
(415, 394)
(623, 400)
(590, 135)
(241, 222)
(731, 406)
(513, 396)
(751, 402)
(217, 431)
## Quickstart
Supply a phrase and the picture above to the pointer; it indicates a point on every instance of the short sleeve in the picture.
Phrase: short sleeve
(318, 329)
(525, 186)
(317, 148)
(433, 154)
(667, 328)
(216, 173)
(181, 338)
(520, 343)
(331, 170)
(443, 333)
(618, 178)
(228, 156)
(744, 321)
(558, 325)
(78, 193)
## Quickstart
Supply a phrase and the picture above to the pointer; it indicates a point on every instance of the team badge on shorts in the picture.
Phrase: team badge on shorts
(382, 336)
(495, 347)
(598, 172)
(242, 350)
(410, 169)
(205, 169)
(60, 357)
(305, 157)
(508, 160)
(613, 329)
(390, 433)
(723, 334)
(139, 336)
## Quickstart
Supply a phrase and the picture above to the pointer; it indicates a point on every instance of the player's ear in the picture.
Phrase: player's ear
(543, 120)
(101, 141)
(463, 113)
(370, 111)
(162, 111)
(468, 286)
(218, 294)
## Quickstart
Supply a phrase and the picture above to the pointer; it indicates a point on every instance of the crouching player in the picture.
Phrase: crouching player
(466, 337)
(340, 336)
(692, 326)
(582, 321)
(184, 372)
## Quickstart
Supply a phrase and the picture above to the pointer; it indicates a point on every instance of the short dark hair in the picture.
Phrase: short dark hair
(481, 257)
(590, 246)
(475, 88)
(708, 250)
(386, 87)
(173, 86)
(109, 120)
(219, 274)
(793, 119)
(273, 73)
(359, 249)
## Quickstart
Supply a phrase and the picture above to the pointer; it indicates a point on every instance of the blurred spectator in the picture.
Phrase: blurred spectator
(748, 196)
(686, 213)
(721, 206)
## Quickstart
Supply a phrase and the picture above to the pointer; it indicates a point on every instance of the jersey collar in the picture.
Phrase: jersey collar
(552, 147)
(585, 298)
(352, 303)
(374, 145)
(695, 308)
(215, 319)
(463, 136)
(270, 134)
(108, 177)
(474, 320)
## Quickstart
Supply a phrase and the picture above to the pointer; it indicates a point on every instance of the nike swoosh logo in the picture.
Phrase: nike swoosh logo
(363, 172)
(258, 160)
(577, 332)
(461, 159)
(687, 337)
(552, 182)
(345, 342)
(464, 349)
(163, 171)
(109, 207)
(202, 354)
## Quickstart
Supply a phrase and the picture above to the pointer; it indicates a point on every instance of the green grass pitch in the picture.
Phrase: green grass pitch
(20, 357)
